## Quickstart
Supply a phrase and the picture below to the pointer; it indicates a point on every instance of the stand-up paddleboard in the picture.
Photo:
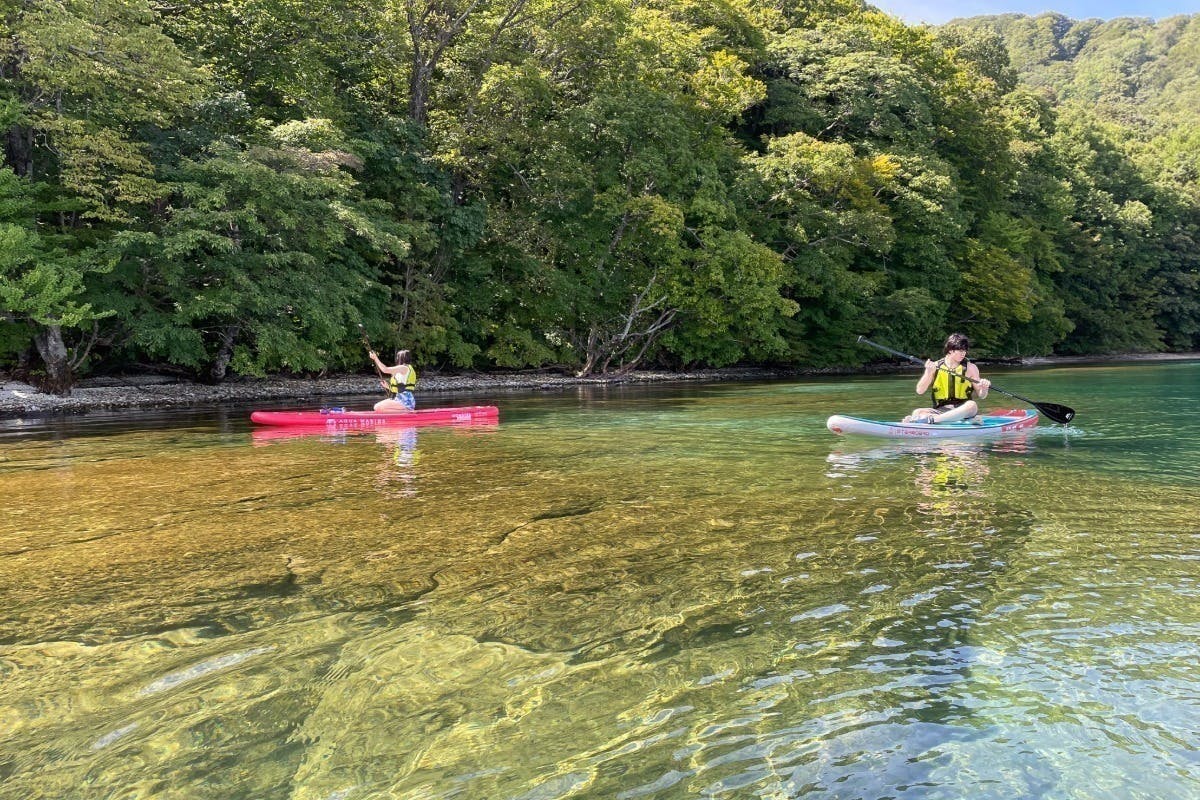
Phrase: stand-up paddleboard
(391, 433)
(340, 419)
(1016, 419)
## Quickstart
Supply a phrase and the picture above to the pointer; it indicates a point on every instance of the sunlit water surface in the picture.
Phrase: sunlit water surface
(674, 592)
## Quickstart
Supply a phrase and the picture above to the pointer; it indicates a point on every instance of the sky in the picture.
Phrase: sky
(935, 12)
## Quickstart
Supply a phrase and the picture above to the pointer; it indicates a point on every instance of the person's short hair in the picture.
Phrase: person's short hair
(402, 357)
(956, 341)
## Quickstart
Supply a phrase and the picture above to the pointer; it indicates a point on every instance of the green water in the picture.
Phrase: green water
(673, 592)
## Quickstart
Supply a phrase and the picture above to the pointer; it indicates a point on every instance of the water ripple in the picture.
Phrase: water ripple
(706, 595)
(199, 670)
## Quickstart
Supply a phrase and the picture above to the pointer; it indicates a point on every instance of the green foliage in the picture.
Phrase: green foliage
(909, 318)
(39, 282)
(232, 186)
(731, 301)
(81, 81)
(251, 263)
(82, 77)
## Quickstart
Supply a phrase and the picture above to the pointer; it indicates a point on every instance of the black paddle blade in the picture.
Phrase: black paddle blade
(1055, 412)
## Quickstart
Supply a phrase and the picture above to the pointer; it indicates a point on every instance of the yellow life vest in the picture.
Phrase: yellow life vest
(951, 388)
(410, 381)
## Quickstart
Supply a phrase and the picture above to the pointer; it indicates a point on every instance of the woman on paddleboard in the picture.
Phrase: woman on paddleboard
(402, 381)
(954, 384)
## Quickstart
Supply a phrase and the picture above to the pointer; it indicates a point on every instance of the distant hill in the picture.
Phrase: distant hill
(1136, 72)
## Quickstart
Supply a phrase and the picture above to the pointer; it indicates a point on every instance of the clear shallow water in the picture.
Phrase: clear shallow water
(664, 593)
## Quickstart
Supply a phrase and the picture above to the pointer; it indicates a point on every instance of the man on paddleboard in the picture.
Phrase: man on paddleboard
(401, 384)
(954, 384)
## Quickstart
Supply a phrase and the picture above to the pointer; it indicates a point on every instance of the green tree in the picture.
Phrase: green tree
(41, 284)
(259, 258)
(80, 81)
(597, 223)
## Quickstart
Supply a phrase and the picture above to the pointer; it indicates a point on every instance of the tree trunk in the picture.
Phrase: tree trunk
(53, 350)
(18, 139)
(418, 91)
(18, 150)
(220, 363)
(591, 352)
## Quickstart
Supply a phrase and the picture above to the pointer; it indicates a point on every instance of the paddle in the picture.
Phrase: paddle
(363, 333)
(1053, 411)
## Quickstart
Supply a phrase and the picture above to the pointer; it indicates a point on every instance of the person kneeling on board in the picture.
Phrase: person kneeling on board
(401, 384)
(954, 385)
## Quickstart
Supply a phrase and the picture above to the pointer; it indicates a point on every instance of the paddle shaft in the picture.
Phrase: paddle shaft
(363, 333)
(1052, 410)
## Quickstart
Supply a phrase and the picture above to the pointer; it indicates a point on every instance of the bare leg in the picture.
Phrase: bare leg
(391, 406)
(919, 415)
(965, 411)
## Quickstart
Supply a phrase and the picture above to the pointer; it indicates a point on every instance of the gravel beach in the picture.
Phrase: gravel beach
(156, 392)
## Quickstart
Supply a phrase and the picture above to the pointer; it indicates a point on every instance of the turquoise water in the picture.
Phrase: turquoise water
(667, 592)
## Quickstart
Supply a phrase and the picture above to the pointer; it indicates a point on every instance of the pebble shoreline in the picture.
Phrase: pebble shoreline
(150, 392)
(156, 392)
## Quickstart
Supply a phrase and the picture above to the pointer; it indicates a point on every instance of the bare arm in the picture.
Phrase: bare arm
(399, 369)
(982, 385)
(926, 379)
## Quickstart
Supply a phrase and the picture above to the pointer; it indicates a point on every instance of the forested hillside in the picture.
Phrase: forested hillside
(230, 187)
(1135, 71)
(1139, 75)
(1138, 82)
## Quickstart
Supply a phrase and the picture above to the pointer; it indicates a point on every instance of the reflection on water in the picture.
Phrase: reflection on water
(678, 593)
(398, 476)
(940, 468)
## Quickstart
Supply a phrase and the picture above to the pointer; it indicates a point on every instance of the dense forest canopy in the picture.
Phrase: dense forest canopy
(231, 187)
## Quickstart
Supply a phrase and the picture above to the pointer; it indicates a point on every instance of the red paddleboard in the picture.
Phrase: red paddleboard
(337, 419)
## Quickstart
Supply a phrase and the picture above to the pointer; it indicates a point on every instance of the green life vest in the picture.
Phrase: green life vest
(951, 388)
(410, 381)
